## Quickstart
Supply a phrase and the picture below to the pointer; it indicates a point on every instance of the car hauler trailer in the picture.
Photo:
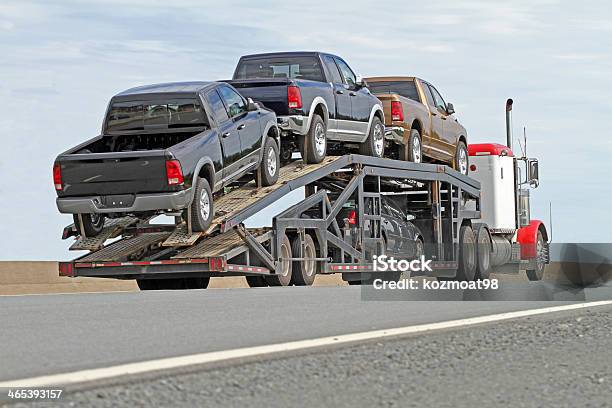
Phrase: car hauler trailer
(465, 229)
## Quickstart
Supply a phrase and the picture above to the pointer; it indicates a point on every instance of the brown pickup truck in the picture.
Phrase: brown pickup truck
(419, 123)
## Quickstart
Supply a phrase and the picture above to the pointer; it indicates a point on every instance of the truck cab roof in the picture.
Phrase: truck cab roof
(286, 54)
(174, 88)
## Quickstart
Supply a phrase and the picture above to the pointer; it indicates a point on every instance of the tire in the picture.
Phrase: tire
(483, 252)
(202, 214)
(196, 283)
(375, 143)
(461, 162)
(147, 284)
(413, 151)
(538, 273)
(313, 145)
(467, 254)
(284, 270)
(256, 281)
(93, 224)
(303, 272)
(270, 164)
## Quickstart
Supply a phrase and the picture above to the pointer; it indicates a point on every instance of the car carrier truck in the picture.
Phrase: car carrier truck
(471, 225)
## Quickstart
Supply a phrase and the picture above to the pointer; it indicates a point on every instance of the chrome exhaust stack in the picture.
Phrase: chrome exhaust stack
(509, 123)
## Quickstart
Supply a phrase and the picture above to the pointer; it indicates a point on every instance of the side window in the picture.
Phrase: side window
(349, 76)
(234, 102)
(438, 98)
(333, 69)
(428, 95)
(218, 109)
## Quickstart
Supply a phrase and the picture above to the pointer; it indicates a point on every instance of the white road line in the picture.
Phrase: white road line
(218, 356)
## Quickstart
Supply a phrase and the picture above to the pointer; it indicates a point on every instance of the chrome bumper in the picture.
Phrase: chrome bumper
(394, 133)
(142, 202)
(293, 123)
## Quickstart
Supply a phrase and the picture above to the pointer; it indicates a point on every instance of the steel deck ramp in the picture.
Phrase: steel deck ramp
(180, 237)
(112, 228)
(120, 250)
(230, 207)
(229, 243)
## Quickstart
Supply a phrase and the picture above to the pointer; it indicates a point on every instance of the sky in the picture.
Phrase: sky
(63, 60)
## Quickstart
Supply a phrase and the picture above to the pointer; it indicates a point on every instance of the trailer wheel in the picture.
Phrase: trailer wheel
(202, 206)
(196, 283)
(483, 252)
(256, 281)
(303, 272)
(283, 272)
(92, 224)
(538, 273)
(313, 145)
(147, 284)
(375, 143)
(268, 170)
(467, 254)
(413, 151)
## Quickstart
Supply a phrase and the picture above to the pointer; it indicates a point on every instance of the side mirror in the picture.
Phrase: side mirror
(252, 106)
(360, 82)
(450, 109)
(533, 172)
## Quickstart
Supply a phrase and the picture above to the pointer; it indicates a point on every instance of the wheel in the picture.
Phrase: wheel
(461, 161)
(313, 145)
(375, 143)
(538, 273)
(270, 164)
(147, 284)
(413, 151)
(196, 283)
(483, 253)
(256, 281)
(202, 206)
(419, 248)
(303, 272)
(466, 270)
(283, 271)
(92, 223)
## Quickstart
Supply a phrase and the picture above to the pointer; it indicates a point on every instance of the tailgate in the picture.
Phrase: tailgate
(386, 101)
(114, 173)
(271, 92)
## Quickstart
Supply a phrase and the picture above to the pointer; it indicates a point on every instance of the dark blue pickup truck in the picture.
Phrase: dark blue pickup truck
(317, 99)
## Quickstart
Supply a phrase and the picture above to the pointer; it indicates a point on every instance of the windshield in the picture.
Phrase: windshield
(406, 89)
(276, 67)
(143, 115)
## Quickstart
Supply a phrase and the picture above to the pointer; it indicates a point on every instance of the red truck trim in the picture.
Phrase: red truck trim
(528, 237)
(489, 149)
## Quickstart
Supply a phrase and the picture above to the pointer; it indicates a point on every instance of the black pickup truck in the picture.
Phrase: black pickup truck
(167, 148)
(317, 98)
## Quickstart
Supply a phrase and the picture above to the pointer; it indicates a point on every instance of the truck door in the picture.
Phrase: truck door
(341, 96)
(228, 133)
(444, 143)
(437, 125)
(247, 124)
(357, 123)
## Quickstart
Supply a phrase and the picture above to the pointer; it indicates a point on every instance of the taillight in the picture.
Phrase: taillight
(294, 97)
(174, 172)
(352, 218)
(397, 112)
(57, 176)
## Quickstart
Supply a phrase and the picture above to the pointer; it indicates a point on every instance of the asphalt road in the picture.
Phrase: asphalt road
(51, 334)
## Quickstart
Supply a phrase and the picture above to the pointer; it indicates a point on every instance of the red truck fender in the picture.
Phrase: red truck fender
(527, 236)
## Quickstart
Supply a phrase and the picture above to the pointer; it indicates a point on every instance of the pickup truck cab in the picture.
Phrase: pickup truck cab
(166, 148)
(317, 99)
(418, 122)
